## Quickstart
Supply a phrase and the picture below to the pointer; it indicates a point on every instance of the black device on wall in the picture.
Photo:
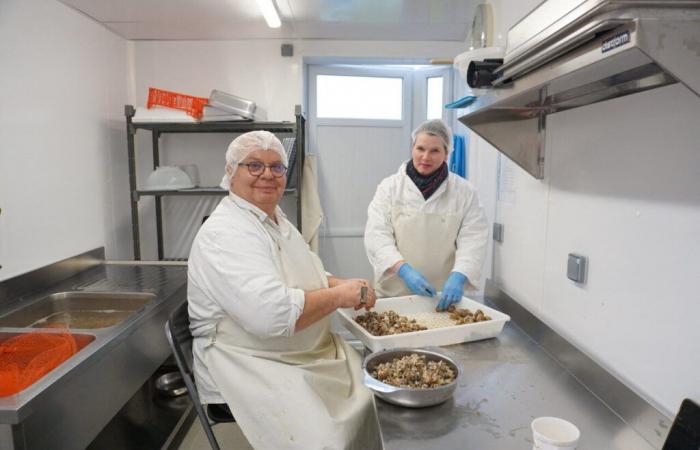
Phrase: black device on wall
(685, 431)
(287, 50)
(480, 73)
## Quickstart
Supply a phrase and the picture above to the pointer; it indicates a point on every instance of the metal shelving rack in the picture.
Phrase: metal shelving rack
(298, 128)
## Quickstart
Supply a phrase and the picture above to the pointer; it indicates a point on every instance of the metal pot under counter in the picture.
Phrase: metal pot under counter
(70, 405)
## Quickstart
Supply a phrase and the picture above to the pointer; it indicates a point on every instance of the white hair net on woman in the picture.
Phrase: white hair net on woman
(435, 127)
(244, 145)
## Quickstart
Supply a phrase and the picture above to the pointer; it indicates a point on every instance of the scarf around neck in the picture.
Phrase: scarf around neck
(427, 184)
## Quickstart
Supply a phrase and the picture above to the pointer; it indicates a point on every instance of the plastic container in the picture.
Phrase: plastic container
(441, 329)
(232, 104)
(161, 114)
(168, 178)
(553, 433)
(188, 103)
(25, 358)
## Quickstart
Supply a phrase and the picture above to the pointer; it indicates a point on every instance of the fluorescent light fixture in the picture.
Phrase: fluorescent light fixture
(267, 7)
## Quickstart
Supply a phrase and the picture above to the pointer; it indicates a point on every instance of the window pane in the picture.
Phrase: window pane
(434, 98)
(358, 97)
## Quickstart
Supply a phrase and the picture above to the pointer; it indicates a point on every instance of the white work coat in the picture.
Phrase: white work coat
(286, 389)
(446, 233)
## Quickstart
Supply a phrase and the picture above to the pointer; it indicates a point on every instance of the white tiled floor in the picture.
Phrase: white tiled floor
(228, 435)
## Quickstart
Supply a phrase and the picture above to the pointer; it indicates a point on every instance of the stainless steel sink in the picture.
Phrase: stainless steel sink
(118, 361)
(78, 310)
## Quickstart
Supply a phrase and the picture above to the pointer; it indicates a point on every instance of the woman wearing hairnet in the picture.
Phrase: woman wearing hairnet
(425, 227)
(259, 305)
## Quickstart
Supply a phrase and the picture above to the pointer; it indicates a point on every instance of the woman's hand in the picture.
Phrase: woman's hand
(453, 290)
(349, 294)
(415, 281)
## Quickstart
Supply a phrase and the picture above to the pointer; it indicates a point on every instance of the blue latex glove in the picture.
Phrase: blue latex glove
(452, 291)
(415, 281)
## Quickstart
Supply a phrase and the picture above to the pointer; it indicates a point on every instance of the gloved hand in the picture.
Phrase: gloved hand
(415, 281)
(452, 291)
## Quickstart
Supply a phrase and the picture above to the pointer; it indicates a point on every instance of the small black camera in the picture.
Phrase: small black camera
(480, 73)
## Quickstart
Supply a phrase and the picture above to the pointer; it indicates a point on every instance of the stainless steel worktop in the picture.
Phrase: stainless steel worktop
(70, 405)
(507, 382)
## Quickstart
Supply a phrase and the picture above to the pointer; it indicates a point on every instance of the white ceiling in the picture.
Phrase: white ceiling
(393, 20)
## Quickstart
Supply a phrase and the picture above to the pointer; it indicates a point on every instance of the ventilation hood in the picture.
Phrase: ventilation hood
(571, 53)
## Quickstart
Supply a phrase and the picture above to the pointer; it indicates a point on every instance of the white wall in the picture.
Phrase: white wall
(251, 69)
(63, 182)
(621, 187)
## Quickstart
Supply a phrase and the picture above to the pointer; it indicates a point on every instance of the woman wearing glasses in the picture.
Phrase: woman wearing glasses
(259, 304)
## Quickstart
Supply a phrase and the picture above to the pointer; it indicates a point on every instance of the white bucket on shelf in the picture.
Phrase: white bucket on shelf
(166, 178)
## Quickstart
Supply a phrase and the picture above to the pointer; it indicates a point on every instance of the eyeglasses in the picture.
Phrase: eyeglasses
(256, 168)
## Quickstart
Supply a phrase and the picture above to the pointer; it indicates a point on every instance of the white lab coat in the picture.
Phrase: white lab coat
(446, 233)
(287, 389)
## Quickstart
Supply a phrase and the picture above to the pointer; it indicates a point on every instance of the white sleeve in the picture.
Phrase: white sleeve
(237, 271)
(380, 243)
(472, 239)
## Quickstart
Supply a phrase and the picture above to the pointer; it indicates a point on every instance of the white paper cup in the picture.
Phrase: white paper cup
(552, 433)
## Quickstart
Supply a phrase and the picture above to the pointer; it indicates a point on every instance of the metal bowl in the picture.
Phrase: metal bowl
(171, 384)
(409, 397)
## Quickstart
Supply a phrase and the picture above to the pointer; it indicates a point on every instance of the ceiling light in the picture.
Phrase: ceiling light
(270, 13)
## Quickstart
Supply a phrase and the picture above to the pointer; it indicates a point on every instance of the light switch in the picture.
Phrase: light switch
(576, 268)
(498, 232)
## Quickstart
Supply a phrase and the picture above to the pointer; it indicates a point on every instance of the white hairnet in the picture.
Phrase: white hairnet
(244, 145)
(435, 127)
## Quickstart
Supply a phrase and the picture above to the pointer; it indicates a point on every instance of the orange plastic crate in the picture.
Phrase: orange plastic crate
(194, 106)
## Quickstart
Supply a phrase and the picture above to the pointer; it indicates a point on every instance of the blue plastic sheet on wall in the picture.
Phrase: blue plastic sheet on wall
(458, 158)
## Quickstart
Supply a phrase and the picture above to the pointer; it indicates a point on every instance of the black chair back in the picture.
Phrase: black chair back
(177, 331)
(179, 328)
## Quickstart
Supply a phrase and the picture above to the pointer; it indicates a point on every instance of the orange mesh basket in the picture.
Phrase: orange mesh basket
(27, 357)
(194, 106)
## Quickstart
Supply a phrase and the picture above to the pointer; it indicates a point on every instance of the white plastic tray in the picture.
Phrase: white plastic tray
(441, 329)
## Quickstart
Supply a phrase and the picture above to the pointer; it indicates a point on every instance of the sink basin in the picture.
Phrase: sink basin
(78, 310)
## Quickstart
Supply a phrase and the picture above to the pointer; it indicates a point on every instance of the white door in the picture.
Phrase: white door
(360, 122)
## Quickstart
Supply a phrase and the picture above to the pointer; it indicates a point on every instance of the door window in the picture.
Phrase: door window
(434, 100)
(355, 97)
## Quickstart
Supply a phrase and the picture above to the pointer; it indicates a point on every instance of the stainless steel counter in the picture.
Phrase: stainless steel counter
(70, 405)
(507, 382)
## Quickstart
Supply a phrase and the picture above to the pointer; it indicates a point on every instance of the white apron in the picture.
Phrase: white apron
(299, 392)
(427, 242)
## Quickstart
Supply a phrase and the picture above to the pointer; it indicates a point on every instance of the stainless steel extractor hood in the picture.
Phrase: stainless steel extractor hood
(570, 53)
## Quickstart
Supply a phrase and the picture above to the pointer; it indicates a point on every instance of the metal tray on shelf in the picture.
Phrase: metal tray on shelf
(232, 103)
